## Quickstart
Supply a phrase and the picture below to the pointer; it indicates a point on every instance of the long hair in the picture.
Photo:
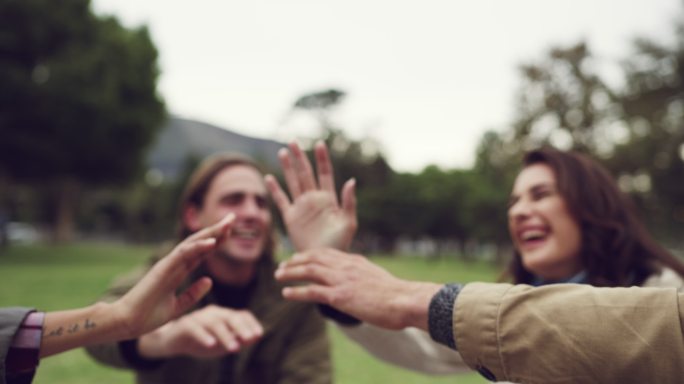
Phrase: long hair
(199, 183)
(616, 248)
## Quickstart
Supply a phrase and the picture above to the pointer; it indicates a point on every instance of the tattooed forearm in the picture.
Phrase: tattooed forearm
(55, 332)
(73, 328)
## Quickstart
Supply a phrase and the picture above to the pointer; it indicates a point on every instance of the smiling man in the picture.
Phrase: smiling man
(243, 331)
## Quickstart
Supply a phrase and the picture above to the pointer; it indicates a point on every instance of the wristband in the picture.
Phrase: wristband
(338, 316)
(440, 315)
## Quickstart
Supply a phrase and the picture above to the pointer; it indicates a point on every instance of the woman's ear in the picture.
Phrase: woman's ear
(191, 218)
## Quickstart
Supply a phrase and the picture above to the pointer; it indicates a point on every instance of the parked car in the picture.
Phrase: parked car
(22, 233)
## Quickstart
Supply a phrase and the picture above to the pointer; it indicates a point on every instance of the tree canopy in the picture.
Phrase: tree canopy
(78, 99)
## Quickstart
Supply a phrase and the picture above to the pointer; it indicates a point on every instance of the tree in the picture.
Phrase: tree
(636, 131)
(653, 106)
(496, 167)
(78, 100)
(562, 101)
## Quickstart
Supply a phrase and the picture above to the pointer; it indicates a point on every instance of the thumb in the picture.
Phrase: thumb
(349, 197)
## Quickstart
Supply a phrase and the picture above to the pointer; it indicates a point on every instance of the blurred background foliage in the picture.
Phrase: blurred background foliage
(80, 116)
(78, 105)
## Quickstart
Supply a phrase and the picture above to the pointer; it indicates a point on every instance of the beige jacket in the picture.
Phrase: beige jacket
(570, 333)
(414, 349)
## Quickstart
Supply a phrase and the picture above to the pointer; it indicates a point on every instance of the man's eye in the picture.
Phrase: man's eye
(261, 202)
(232, 200)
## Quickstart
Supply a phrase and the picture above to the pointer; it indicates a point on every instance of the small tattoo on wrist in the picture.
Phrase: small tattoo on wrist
(73, 328)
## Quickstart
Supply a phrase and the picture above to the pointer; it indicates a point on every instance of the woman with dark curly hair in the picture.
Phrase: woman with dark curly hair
(569, 222)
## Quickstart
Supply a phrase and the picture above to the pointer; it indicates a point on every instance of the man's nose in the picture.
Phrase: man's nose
(249, 208)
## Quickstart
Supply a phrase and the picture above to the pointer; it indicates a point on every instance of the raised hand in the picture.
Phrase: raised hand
(149, 304)
(211, 331)
(153, 301)
(354, 285)
(314, 218)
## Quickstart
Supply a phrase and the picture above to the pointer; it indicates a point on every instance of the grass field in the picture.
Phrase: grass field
(60, 277)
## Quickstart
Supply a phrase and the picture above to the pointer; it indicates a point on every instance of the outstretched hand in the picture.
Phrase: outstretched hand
(314, 217)
(154, 301)
(208, 332)
(356, 286)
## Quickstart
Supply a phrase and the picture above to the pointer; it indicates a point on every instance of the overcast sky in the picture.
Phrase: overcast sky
(425, 78)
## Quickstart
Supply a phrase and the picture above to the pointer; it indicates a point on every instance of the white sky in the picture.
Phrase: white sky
(425, 78)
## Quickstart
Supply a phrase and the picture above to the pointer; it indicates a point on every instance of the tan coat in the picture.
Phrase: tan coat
(294, 348)
(414, 349)
(571, 333)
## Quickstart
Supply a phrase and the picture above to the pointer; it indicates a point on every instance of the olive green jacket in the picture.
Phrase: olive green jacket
(294, 348)
(571, 333)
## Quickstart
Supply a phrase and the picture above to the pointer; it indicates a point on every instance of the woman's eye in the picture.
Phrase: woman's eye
(540, 195)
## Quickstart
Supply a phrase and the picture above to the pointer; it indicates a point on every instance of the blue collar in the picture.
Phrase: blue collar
(579, 278)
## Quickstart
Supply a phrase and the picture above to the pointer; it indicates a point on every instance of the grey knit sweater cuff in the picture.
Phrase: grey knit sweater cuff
(440, 315)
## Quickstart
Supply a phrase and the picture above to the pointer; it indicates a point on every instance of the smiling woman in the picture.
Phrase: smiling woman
(544, 232)
(570, 222)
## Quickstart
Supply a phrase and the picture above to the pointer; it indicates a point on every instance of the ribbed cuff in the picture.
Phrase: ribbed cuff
(440, 314)
(338, 316)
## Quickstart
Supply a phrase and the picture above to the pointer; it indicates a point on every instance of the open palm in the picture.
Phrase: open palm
(314, 218)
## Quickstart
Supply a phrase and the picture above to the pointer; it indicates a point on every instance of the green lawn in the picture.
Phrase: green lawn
(60, 277)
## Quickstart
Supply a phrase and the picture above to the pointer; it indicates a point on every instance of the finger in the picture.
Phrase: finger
(174, 268)
(217, 230)
(191, 253)
(255, 325)
(326, 178)
(223, 332)
(289, 172)
(303, 168)
(297, 259)
(192, 295)
(311, 273)
(245, 327)
(279, 197)
(329, 257)
(202, 337)
(310, 293)
(349, 198)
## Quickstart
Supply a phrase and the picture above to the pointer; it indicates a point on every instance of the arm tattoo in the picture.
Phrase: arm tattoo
(73, 328)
